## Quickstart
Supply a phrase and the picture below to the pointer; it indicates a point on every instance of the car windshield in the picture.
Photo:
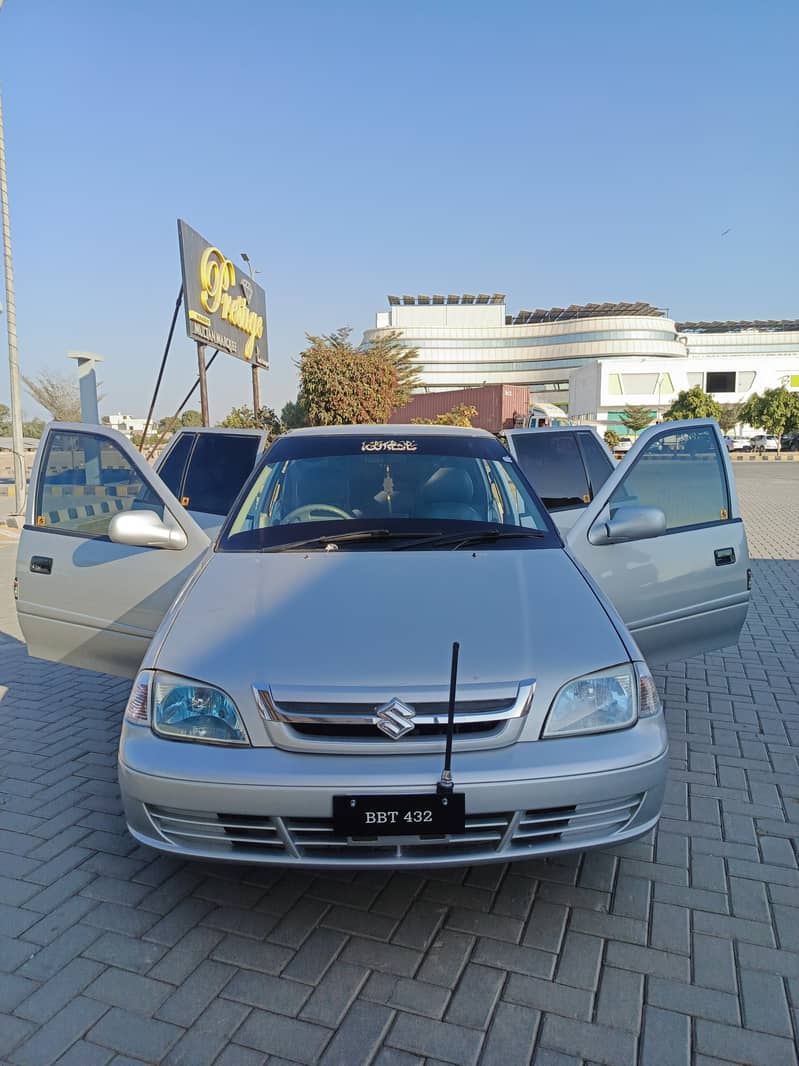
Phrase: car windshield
(317, 491)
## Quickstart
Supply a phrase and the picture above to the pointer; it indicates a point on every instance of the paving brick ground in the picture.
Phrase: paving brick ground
(682, 948)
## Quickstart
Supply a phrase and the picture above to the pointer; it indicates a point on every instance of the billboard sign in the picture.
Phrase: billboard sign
(224, 307)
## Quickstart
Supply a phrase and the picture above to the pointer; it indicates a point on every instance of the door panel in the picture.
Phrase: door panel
(685, 591)
(94, 603)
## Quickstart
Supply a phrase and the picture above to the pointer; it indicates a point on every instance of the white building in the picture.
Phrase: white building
(467, 340)
(126, 424)
(600, 390)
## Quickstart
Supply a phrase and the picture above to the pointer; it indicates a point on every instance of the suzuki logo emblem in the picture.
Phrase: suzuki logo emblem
(395, 719)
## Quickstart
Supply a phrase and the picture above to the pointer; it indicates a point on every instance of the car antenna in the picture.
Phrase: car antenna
(446, 785)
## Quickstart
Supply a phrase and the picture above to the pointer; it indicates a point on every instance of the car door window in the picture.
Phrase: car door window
(681, 473)
(554, 467)
(596, 460)
(219, 466)
(172, 469)
(86, 480)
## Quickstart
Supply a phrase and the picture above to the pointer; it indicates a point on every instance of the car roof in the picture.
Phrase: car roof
(389, 431)
(219, 431)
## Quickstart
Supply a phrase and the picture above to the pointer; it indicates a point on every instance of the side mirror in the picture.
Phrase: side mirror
(629, 523)
(144, 529)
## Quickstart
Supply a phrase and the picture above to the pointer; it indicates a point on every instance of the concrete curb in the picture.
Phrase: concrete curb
(769, 457)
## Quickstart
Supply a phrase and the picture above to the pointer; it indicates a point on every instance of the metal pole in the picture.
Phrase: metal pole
(185, 400)
(18, 447)
(163, 365)
(256, 391)
(203, 383)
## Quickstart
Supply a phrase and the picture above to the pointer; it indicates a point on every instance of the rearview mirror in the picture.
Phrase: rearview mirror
(629, 523)
(144, 529)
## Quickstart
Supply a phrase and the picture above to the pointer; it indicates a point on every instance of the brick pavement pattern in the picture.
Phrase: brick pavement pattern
(680, 948)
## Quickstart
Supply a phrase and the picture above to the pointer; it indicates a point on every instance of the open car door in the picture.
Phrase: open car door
(566, 465)
(664, 540)
(85, 598)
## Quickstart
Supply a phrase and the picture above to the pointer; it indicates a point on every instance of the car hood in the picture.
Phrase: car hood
(370, 625)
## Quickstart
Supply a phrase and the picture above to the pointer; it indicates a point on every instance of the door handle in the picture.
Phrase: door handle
(724, 556)
(41, 564)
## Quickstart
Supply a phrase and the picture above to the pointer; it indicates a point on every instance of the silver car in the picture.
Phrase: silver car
(293, 691)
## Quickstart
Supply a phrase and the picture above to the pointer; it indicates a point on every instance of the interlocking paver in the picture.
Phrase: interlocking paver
(113, 955)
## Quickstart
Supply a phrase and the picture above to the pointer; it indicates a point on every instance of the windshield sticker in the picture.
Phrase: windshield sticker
(389, 446)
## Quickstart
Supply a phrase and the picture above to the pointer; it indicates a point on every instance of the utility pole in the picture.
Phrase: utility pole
(17, 444)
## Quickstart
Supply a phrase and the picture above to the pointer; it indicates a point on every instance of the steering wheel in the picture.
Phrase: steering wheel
(313, 511)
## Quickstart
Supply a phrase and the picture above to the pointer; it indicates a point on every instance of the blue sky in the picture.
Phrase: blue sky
(560, 154)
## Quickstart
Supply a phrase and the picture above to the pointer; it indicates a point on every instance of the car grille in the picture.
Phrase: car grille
(511, 834)
(340, 720)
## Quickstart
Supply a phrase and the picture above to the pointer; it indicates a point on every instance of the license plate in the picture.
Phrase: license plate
(428, 815)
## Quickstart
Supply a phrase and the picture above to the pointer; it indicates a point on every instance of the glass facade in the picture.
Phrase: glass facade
(532, 341)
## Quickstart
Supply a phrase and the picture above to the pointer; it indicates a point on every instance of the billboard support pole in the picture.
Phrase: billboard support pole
(203, 383)
(177, 413)
(161, 370)
(256, 390)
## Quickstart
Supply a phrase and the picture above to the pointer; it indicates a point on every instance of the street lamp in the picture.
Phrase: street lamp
(256, 385)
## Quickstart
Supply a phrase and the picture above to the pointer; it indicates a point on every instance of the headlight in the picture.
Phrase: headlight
(182, 709)
(595, 703)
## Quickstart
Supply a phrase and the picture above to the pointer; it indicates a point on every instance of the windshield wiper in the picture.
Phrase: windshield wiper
(332, 541)
(459, 539)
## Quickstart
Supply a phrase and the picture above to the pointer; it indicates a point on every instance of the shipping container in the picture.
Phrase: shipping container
(498, 406)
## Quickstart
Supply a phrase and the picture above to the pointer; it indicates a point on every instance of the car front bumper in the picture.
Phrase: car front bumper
(265, 805)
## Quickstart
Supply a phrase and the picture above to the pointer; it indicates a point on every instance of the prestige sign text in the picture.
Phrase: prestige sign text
(224, 308)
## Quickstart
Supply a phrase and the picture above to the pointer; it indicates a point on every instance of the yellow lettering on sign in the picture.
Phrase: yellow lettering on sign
(217, 276)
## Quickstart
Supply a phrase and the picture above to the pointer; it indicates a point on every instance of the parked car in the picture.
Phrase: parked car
(765, 443)
(738, 444)
(292, 677)
(623, 445)
(790, 442)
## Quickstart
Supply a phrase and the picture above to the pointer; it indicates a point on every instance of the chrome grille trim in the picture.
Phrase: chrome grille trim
(510, 834)
(334, 713)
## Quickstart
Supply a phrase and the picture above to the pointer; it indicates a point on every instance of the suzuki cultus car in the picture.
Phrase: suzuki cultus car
(293, 679)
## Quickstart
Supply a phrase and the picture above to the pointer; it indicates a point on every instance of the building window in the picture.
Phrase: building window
(614, 384)
(639, 384)
(746, 379)
(720, 381)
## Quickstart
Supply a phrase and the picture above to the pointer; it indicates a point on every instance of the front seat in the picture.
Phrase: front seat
(448, 493)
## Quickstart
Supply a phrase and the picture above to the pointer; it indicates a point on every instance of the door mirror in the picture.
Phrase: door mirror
(144, 529)
(629, 523)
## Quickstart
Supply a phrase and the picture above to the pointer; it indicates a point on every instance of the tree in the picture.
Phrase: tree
(5, 420)
(730, 416)
(461, 415)
(611, 438)
(56, 393)
(245, 418)
(340, 384)
(693, 403)
(635, 418)
(776, 411)
(34, 428)
(294, 415)
(191, 418)
(404, 360)
(152, 438)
